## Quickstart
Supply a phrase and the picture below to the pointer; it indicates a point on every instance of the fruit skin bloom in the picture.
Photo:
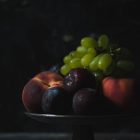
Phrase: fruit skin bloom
(56, 101)
(84, 101)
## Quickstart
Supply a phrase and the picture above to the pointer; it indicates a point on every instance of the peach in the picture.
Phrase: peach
(35, 88)
(119, 91)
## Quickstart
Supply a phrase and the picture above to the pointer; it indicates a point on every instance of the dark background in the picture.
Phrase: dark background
(36, 34)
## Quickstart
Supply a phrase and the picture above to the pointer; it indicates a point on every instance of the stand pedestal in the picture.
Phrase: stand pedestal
(83, 133)
(83, 126)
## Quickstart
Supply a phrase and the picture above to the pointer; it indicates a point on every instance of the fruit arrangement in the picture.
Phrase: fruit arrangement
(95, 78)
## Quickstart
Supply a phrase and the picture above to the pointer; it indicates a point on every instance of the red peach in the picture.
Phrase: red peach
(119, 91)
(36, 87)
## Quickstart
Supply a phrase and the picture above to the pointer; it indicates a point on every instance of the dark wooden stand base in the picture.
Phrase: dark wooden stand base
(83, 133)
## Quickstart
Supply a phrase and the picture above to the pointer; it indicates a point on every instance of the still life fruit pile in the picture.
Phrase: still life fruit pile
(95, 78)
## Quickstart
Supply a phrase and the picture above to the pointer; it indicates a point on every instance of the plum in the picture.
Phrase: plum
(79, 78)
(56, 101)
(85, 101)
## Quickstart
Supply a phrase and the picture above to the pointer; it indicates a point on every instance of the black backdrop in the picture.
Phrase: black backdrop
(35, 35)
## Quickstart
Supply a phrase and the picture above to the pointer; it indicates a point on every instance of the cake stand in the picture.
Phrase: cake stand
(84, 126)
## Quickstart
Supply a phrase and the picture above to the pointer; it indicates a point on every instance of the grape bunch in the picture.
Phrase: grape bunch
(100, 56)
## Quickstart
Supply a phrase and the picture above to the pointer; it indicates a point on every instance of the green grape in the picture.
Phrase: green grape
(110, 69)
(99, 75)
(65, 69)
(86, 59)
(92, 51)
(76, 54)
(73, 54)
(93, 66)
(125, 65)
(88, 42)
(67, 59)
(103, 42)
(75, 63)
(104, 61)
(81, 51)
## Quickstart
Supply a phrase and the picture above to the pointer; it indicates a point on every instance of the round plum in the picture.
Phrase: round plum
(85, 101)
(79, 78)
(56, 101)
